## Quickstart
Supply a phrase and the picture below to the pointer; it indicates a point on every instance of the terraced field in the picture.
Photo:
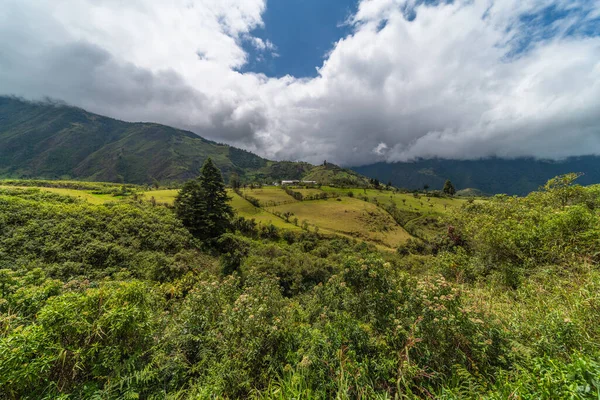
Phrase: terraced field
(308, 191)
(350, 217)
(406, 201)
(269, 195)
(244, 209)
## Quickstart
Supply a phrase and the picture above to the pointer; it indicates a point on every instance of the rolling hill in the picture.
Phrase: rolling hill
(55, 141)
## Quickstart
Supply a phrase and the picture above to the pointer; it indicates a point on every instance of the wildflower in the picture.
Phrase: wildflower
(305, 362)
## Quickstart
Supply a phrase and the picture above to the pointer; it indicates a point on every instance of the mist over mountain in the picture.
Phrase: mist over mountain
(494, 175)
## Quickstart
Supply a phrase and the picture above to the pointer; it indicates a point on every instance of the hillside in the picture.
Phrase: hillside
(106, 295)
(54, 141)
(494, 175)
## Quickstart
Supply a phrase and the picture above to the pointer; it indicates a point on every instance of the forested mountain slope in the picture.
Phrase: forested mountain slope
(494, 175)
(55, 141)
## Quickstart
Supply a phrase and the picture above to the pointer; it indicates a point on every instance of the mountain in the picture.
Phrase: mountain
(49, 140)
(494, 175)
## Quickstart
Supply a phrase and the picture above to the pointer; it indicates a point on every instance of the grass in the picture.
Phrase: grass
(269, 195)
(166, 196)
(404, 201)
(350, 217)
(307, 191)
(244, 209)
(80, 194)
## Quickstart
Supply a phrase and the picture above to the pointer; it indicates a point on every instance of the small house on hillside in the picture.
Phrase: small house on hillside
(283, 183)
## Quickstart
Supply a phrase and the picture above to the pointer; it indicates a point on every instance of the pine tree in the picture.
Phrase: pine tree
(449, 188)
(202, 204)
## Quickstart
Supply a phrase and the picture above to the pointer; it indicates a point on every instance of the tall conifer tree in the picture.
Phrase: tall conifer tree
(202, 204)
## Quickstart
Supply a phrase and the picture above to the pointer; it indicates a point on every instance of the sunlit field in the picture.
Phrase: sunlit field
(348, 216)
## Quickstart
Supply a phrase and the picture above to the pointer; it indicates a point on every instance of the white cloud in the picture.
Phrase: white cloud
(449, 83)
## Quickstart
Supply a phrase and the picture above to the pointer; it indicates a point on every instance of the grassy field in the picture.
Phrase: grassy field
(244, 209)
(351, 217)
(406, 201)
(269, 195)
(307, 191)
(80, 194)
(166, 196)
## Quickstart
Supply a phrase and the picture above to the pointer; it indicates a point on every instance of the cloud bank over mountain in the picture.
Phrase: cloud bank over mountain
(462, 79)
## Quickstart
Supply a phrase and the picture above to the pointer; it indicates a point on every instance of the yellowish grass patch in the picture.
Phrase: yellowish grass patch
(351, 217)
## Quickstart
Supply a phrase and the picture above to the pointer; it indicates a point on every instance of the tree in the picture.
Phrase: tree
(562, 188)
(202, 204)
(234, 181)
(449, 188)
(425, 187)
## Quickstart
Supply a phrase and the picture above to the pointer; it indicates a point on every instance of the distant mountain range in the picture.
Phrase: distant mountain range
(494, 175)
(53, 141)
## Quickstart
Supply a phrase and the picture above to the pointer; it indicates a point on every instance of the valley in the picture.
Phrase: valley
(357, 213)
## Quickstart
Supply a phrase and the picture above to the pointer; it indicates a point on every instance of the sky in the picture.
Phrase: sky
(348, 81)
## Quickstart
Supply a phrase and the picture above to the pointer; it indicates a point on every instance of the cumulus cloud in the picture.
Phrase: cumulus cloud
(462, 79)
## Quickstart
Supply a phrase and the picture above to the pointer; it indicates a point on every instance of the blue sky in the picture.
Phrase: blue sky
(303, 32)
(411, 79)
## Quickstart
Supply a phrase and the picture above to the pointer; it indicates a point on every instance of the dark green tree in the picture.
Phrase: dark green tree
(234, 180)
(449, 188)
(202, 204)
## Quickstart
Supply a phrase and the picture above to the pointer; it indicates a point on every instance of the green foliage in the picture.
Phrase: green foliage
(202, 204)
(74, 239)
(118, 301)
(449, 188)
(94, 336)
(512, 235)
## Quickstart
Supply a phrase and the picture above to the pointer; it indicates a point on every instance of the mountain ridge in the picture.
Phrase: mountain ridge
(55, 141)
(491, 175)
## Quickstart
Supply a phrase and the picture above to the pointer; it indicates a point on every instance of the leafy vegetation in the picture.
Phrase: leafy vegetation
(120, 300)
